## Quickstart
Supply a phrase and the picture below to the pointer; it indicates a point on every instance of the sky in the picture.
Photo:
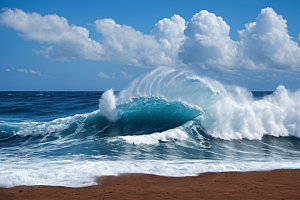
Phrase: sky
(95, 45)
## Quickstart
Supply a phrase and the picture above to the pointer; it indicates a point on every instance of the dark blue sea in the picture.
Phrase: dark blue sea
(168, 122)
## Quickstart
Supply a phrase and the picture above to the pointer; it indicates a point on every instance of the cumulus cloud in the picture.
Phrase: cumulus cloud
(208, 43)
(170, 34)
(203, 42)
(67, 41)
(103, 75)
(266, 43)
(126, 45)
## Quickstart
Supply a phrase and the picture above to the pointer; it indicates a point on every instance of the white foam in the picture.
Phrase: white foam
(107, 105)
(154, 138)
(238, 115)
(79, 173)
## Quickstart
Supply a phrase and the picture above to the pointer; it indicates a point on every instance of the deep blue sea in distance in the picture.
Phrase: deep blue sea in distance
(163, 126)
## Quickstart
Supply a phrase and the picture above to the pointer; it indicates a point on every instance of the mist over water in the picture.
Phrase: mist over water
(167, 122)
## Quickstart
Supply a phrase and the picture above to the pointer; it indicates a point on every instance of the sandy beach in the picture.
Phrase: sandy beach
(277, 184)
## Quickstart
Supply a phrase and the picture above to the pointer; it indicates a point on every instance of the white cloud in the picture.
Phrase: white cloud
(170, 34)
(29, 71)
(126, 45)
(266, 44)
(22, 70)
(203, 42)
(68, 41)
(25, 71)
(207, 42)
(103, 75)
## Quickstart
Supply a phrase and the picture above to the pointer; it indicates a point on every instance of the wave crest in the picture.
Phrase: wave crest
(227, 112)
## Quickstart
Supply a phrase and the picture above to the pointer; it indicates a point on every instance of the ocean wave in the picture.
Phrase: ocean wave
(165, 99)
(138, 117)
(227, 112)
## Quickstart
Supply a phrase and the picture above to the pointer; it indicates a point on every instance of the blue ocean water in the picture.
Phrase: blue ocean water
(168, 122)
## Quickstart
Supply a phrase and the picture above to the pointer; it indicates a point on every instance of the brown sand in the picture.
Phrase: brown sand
(278, 184)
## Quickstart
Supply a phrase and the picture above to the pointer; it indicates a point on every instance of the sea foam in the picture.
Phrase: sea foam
(155, 138)
(80, 173)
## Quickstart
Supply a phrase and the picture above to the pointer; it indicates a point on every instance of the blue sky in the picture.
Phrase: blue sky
(129, 38)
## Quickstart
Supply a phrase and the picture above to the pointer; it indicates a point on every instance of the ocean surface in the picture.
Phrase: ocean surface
(168, 122)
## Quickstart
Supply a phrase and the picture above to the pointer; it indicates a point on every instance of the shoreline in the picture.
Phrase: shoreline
(275, 184)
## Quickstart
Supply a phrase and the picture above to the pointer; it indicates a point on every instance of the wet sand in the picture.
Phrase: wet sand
(277, 184)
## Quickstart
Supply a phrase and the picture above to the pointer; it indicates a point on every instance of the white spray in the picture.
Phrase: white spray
(107, 105)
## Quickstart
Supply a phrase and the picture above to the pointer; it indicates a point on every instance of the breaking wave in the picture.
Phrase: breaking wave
(165, 100)
(226, 112)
